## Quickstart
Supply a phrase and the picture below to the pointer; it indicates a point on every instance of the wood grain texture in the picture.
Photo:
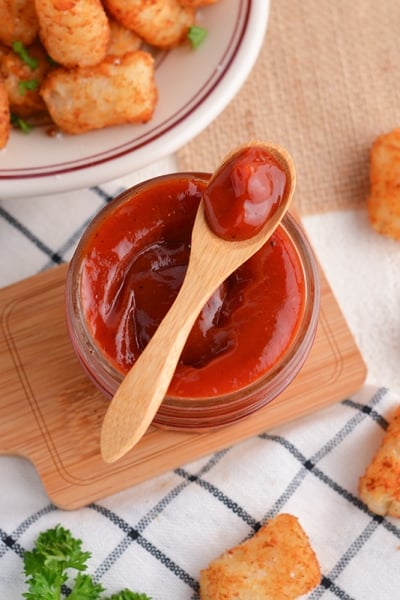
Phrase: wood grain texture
(51, 413)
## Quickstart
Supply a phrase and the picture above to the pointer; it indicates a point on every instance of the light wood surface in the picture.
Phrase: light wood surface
(51, 413)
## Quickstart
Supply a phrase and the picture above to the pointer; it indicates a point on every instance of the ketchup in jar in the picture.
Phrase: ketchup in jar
(250, 339)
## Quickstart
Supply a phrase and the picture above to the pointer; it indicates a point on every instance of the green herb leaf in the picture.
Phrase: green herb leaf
(85, 588)
(48, 566)
(27, 84)
(20, 123)
(44, 586)
(128, 595)
(23, 53)
(196, 35)
(56, 550)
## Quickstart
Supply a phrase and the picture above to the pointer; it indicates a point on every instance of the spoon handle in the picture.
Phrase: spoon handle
(145, 385)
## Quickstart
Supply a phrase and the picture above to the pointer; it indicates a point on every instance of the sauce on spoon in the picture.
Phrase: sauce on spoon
(244, 194)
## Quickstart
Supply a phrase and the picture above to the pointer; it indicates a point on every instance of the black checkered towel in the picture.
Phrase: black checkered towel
(155, 537)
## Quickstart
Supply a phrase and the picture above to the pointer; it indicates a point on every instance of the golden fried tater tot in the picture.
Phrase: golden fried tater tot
(4, 115)
(111, 93)
(161, 23)
(18, 21)
(22, 82)
(74, 32)
(383, 203)
(122, 40)
(277, 563)
(379, 487)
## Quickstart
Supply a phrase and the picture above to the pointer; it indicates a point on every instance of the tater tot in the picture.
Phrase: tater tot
(75, 33)
(122, 40)
(277, 563)
(383, 203)
(4, 115)
(18, 21)
(22, 82)
(112, 93)
(161, 23)
(379, 487)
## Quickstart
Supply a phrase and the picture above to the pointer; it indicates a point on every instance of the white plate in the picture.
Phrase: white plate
(194, 87)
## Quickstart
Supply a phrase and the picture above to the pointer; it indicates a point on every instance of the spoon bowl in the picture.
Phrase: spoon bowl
(212, 260)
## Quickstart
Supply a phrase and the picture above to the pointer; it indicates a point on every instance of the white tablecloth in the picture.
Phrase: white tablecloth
(155, 537)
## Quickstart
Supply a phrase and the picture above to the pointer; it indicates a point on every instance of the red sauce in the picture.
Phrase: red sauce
(133, 266)
(244, 194)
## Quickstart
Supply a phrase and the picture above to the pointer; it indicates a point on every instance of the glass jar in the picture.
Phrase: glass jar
(199, 413)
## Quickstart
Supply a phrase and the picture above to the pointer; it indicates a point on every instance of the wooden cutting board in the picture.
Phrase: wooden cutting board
(51, 413)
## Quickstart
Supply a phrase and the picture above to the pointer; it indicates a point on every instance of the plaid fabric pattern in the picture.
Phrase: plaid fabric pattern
(157, 536)
(42, 232)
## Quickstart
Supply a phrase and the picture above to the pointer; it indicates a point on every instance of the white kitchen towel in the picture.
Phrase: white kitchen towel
(155, 537)
(37, 233)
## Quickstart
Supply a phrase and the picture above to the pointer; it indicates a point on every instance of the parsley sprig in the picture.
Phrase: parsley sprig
(20, 49)
(48, 570)
(27, 84)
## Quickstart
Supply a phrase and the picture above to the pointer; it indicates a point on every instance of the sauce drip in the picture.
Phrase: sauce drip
(244, 193)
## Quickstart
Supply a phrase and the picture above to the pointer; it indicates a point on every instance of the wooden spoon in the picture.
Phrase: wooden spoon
(212, 260)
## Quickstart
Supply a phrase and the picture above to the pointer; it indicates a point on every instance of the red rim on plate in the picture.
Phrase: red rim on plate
(210, 77)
